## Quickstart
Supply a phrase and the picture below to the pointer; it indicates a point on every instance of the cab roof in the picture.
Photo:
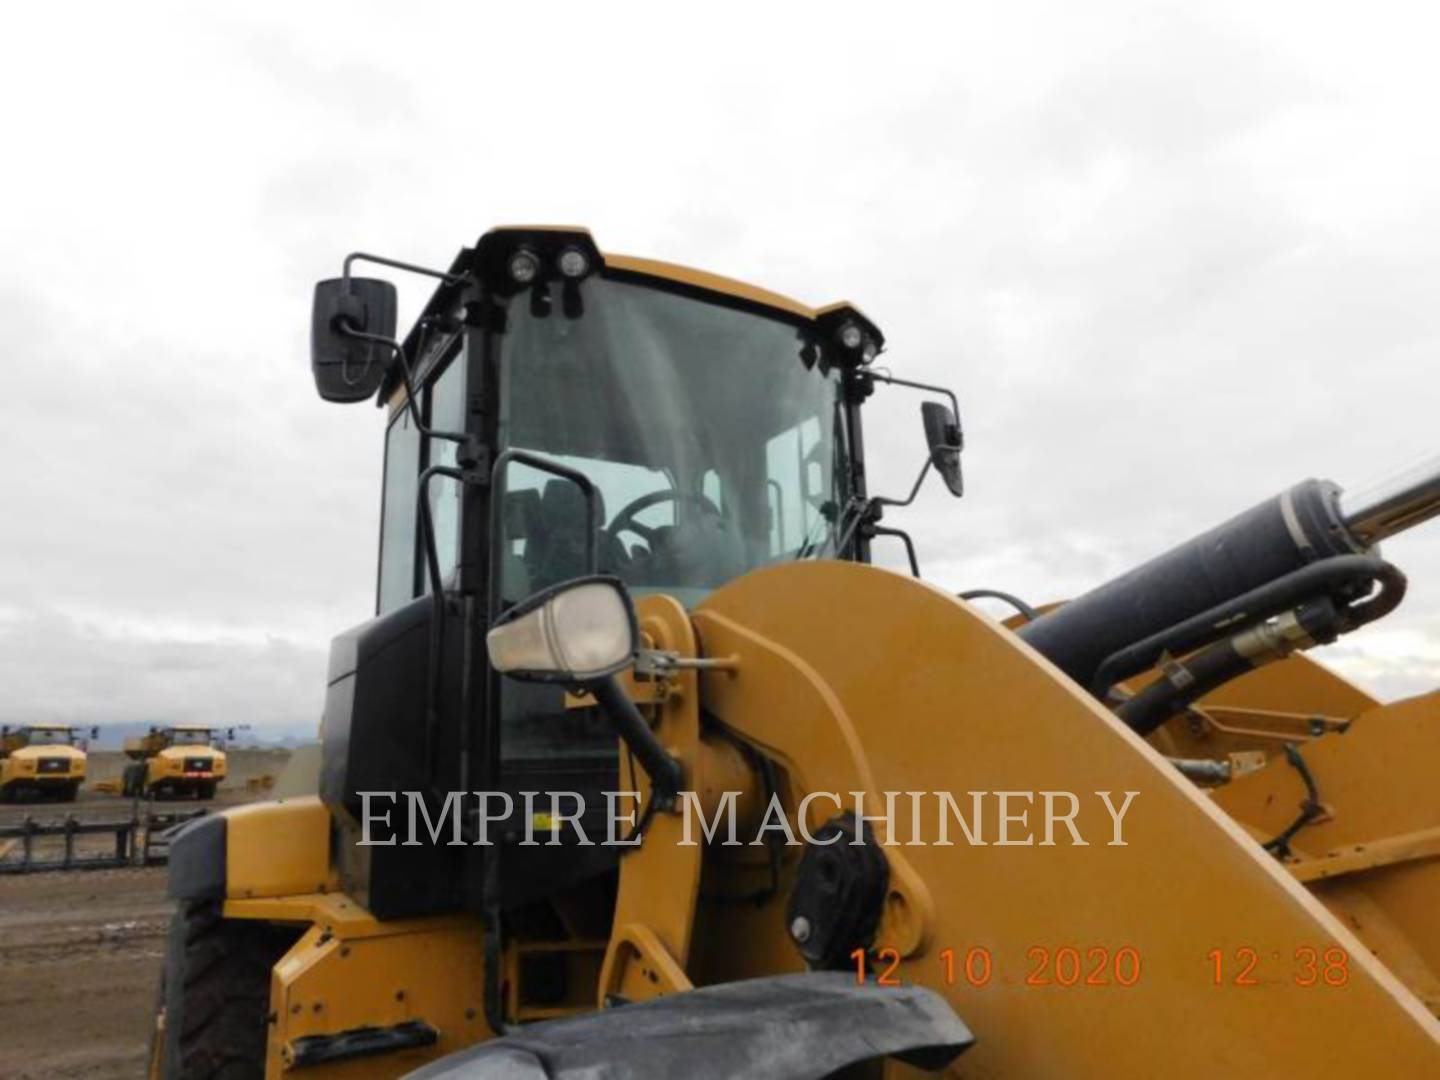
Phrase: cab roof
(487, 259)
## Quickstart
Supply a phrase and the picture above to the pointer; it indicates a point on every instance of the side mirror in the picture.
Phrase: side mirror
(942, 432)
(576, 632)
(348, 368)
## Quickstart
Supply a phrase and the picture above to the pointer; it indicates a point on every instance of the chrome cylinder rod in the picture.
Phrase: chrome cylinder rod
(1394, 504)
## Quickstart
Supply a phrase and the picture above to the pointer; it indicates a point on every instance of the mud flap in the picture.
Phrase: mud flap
(785, 1027)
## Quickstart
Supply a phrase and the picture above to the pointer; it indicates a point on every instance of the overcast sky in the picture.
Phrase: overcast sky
(1172, 260)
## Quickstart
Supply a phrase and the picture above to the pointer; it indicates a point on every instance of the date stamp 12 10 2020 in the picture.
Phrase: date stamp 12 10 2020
(1067, 966)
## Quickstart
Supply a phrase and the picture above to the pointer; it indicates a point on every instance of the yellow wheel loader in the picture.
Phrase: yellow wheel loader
(642, 769)
(175, 761)
(44, 760)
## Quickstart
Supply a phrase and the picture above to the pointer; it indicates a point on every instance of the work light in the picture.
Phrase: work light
(523, 266)
(576, 632)
(573, 263)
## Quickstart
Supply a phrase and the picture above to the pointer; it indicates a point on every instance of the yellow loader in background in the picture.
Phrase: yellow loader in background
(625, 548)
(175, 761)
(46, 760)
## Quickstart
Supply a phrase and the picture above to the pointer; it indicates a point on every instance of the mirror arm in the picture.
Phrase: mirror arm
(881, 500)
(944, 391)
(665, 773)
(346, 327)
(868, 512)
(380, 260)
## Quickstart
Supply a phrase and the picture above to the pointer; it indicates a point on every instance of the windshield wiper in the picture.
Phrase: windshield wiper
(812, 547)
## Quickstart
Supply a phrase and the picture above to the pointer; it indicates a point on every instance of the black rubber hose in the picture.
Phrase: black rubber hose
(664, 771)
(1338, 574)
(1320, 621)
(1019, 605)
(1162, 699)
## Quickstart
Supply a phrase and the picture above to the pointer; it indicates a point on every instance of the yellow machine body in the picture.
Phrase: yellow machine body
(903, 688)
(1369, 848)
(1083, 907)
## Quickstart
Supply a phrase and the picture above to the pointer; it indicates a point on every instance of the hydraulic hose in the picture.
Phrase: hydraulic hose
(1025, 610)
(1346, 575)
(1318, 621)
(1208, 669)
(1267, 542)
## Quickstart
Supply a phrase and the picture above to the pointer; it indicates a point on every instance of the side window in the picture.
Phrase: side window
(400, 556)
(447, 413)
(796, 485)
(710, 487)
(397, 516)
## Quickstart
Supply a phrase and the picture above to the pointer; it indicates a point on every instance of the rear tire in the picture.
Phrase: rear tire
(217, 993)
(70, 792)
(207, 790)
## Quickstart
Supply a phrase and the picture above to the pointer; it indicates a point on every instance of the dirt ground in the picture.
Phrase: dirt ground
(80, 952)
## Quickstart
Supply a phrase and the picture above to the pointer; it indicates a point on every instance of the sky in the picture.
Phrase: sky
(1171, 258)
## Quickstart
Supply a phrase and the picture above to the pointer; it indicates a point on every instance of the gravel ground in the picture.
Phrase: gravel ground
(80, 952)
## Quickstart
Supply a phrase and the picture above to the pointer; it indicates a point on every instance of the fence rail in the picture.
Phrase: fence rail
(140, 840)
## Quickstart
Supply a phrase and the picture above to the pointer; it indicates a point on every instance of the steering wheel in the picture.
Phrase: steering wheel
(625, 521)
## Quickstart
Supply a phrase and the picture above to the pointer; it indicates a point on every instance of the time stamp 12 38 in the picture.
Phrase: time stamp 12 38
(1078, 966)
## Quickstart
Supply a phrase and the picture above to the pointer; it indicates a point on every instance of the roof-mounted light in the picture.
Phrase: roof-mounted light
(573, 263)
(523, 266)
(850, 335)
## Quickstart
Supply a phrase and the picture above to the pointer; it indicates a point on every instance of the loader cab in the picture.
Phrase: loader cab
(665, 426)
(712, 419)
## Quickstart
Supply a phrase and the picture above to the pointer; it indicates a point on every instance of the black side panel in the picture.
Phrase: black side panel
(197, 860)
(373, 728)
(787, 1027)
(373, 737)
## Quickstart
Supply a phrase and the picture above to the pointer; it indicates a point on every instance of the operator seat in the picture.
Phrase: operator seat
(555, 549)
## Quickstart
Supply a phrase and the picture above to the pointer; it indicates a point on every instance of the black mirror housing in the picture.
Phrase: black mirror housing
(348, 368)
(942, 432)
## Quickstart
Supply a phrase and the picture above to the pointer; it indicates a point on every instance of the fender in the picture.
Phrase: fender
(234, 856)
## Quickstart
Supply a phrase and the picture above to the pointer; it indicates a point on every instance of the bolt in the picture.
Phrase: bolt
(800, 929)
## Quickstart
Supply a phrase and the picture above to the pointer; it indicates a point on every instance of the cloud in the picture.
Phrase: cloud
(57, 668)
(1170, 261)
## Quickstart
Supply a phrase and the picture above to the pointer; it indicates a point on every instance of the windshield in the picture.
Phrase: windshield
(190, 738)
(714, 449)
(48, 736)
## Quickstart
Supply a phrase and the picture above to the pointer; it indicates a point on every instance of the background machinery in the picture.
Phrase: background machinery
(175, 761)
(42, 759)
(624, 548)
